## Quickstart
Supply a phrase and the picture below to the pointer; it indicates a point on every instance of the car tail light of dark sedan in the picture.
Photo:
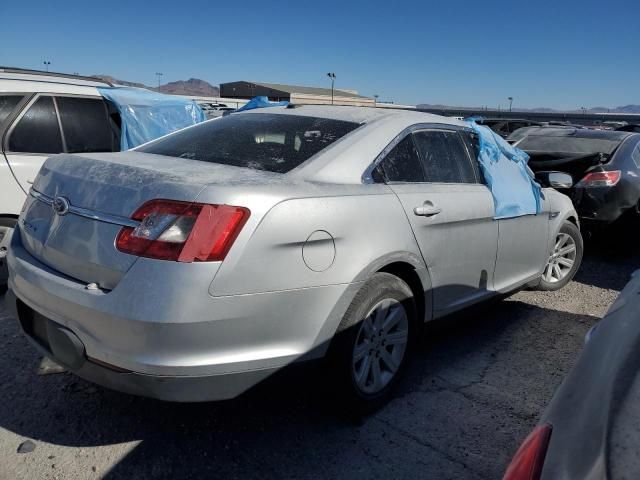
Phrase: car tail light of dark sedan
(528, 460)
(182, 231)
(600, 179)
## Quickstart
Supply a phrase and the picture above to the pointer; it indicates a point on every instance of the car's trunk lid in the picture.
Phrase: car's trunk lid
(103, 191)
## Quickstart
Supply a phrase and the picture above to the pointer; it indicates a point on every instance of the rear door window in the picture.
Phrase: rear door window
(401, 164)
(85, 124)
(444, 157)
(7, 104)
(38, 130)
(260, 141)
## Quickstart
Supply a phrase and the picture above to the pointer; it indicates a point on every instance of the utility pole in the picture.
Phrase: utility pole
(510, 102)
(332, 76)
(46, 65)
(159, 75)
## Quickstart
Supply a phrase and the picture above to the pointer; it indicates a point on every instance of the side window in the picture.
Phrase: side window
(7, 104)
(85, 125)
(402, 164)
(38, 130)
(636, 156)
(471, 140)
(444, 157)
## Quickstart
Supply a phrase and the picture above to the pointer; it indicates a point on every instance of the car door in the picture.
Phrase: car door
(523, 247)
(450, 211)
(57, 124)
(34, 135)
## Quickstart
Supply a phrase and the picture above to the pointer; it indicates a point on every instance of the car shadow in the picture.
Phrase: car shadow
(479, 361)
(610, 257)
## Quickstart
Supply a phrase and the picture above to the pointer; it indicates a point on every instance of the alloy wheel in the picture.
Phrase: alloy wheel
(380, 346)
(561, 260)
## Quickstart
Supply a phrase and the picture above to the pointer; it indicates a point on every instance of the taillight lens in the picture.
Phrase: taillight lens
(528, 460)
(182, 231)
(600, 179)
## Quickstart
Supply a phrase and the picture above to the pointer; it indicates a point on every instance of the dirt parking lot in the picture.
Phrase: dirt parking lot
(477, 386)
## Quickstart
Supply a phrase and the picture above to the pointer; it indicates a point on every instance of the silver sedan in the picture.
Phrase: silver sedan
(195, 266)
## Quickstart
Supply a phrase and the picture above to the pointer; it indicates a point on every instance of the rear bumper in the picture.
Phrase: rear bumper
(179, 344)
(604, 204)
(63, 346)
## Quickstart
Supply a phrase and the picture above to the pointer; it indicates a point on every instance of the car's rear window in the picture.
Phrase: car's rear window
(567, 144)
(260, 141)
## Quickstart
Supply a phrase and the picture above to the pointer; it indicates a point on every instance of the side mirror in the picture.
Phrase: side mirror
(555, 179)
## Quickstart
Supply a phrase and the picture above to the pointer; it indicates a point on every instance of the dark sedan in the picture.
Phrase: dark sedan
(604, 165)
(591, 429)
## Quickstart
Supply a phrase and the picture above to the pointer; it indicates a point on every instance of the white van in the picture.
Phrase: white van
(43, 113)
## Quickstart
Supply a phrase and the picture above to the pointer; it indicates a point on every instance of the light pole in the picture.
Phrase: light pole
(159, 75)
(46, 65)
(332, 76)
(510, 102)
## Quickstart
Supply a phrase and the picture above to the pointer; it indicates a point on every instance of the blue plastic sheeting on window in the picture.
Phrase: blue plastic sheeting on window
(147, 115)
(511, 181)
(261, 102)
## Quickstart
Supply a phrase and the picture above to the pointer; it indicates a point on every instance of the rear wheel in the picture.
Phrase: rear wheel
(564, 260)
(370, 350)
(6, 230)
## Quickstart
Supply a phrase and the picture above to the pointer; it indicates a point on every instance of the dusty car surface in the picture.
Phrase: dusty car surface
(195, 266)
(591, 427)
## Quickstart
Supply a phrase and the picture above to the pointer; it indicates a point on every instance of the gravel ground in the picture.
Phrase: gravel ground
(476, 387)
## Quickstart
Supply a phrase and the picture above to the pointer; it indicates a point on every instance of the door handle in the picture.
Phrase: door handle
(428, 209)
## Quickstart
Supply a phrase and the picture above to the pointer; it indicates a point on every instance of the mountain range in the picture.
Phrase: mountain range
(622, 109)
(193, 86)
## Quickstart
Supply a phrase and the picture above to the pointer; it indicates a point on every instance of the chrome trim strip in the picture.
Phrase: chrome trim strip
(86, 213)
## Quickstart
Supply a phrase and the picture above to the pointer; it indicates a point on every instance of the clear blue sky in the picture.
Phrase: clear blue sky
(561, 53)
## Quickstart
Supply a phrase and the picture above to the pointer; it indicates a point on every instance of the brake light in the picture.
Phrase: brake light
(528, 460)
(600, 179)
(182, 231)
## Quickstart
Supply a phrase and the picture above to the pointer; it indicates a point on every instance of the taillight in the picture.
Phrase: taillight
(182, 231)
(600, 179)
(528, 460)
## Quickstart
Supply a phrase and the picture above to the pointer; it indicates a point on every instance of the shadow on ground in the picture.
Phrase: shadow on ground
(475, 388)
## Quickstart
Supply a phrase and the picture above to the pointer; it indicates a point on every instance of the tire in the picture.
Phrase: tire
(6, 227)
(552, 281)
(360, 332)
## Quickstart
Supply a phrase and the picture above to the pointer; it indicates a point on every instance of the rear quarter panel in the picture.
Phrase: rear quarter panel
(349, 236)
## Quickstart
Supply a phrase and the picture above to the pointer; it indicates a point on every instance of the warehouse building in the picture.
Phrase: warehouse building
(293, 93)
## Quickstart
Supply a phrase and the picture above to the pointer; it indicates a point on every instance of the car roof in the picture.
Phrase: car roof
(14, 80)
(579, 133)
(359, 115)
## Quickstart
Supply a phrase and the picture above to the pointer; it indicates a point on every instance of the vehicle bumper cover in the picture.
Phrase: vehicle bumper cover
(220, 345)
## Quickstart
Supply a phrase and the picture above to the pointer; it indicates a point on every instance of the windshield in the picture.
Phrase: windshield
(567, 144)
(260, 141)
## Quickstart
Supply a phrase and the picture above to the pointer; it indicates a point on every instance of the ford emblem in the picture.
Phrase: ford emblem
(60, 205)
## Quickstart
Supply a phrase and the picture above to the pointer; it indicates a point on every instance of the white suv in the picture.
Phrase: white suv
(42, 114)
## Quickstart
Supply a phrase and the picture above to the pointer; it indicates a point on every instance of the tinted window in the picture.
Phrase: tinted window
(472, 142)
(7, 104)
(444, 157)
(85, 125)
(38, 130)
(261, 141)
(402, 163)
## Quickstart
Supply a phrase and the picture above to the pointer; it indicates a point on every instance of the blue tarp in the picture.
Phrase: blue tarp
(261, 102)
(511, 181)
(147, 115)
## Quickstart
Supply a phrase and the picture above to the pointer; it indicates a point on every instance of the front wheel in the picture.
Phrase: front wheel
(564, 259)
(373, 342)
